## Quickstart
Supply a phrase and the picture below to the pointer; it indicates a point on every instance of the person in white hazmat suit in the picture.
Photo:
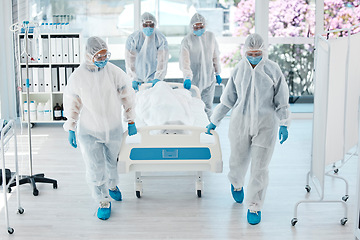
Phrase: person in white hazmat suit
(199, 60)
(258, 95)
(93, 98)
(146, 53)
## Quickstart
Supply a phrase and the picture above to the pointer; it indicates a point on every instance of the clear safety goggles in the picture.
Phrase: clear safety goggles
(148, 23)
(254, 53)
(198, 26)
(102, 57)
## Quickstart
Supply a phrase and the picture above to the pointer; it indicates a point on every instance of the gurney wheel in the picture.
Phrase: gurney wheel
(343, 221)
(308, 188)
(294, 221)
(345, 198)
(198, 193)
(138, 194)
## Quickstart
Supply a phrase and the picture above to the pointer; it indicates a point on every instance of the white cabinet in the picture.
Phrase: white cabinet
(52, 59)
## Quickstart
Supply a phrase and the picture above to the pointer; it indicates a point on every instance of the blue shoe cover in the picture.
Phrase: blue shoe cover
(116, 194)
(237, 195)
(253, 217)
(103, 212)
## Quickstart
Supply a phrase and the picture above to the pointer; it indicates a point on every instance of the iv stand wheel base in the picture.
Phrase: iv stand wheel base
(10, 230)
(20, 210)
(294, 221)
(37, 178)
(343, 221)
(345, 198)
(35, 192)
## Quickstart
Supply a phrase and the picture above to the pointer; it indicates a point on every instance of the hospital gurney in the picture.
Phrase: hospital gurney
(152, 150)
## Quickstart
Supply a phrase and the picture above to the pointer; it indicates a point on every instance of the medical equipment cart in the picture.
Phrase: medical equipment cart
(8, 132)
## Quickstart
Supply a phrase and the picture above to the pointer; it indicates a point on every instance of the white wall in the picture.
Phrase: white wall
(7, 76)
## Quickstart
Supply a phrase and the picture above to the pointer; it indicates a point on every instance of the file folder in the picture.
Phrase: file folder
(34, 42)
(41, 80)
(54, 79)
(76, 49)
(69, 71)
(53, 50)
(47, 79)
(30, 80)
(71, 50)
(45, 47)
(29, 49)
(22, 51)
(59, 51)
(65, 50)
(23, 79)
(35, 79)
(62, 79)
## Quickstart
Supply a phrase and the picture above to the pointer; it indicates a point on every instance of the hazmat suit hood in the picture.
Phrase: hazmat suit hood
(93, 46)
(148, 17)
(197, 18)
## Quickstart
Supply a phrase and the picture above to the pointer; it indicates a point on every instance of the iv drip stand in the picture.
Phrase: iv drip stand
(32, 179)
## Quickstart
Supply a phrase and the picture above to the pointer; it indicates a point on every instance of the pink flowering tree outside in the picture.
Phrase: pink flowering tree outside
(293, 18)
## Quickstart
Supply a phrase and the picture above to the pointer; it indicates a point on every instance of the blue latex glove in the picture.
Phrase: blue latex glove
(284, 133)
(72, 139)
(187, 84)
(154, 82)
(132, 129)
(135, 85)
(209, 127)
(218, 79)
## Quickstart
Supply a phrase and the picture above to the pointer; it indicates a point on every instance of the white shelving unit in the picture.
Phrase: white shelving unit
(52, 58)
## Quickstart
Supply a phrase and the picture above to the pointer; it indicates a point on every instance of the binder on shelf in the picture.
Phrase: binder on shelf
(45, 46)
(30, 80)
(53, 50)
(29, 49)
(41, 80)
(69, 71)
(70, 50)
(62, 79)
(59, 51)
(65, 50)
(23, 79)
(34, 50)
(76, 46)
(35, 79)
(22, 50)
(35, 46)
(54, 79)
(47, 79)
(40, 53)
